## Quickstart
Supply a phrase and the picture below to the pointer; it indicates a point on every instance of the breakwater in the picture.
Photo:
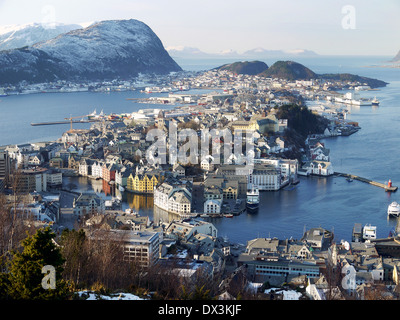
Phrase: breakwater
(387, 187)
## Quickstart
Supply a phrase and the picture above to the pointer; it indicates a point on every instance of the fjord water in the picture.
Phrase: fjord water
(331, 203)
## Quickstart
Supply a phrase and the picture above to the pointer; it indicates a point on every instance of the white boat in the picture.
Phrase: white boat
(375, 102)
(353, 99)
(253, 199)
(369, 232)
(393, 209)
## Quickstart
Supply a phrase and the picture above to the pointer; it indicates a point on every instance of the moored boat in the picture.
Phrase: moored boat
(253, 199)
(369, 232)
(393, 209)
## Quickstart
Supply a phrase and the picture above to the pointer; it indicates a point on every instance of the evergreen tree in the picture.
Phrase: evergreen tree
(24, 277)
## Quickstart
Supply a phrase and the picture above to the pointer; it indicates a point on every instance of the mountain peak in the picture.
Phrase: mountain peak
(245, 67)
(104, 50)
(289, 70)
(18, 36)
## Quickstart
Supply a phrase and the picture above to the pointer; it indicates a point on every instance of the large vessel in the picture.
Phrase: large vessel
(393, 209)
(353, 99)
(253, 199)
(375, 102)
(94, 115)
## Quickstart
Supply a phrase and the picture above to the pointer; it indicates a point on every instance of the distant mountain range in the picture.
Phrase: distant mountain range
(257, 53)
(290, 70)
(18, 36)
(104, 50)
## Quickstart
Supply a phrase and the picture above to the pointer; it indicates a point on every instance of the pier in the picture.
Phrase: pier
(60, 122)
(387, 187)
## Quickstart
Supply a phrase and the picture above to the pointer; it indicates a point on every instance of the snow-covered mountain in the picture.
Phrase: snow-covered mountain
(264, 53)
(18, 36)
(182, 51)
(105, 50)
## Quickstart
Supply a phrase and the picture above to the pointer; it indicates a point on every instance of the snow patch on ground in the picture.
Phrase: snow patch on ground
(287, 294)
(117, 296)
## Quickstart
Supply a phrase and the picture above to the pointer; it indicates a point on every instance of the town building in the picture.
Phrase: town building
(175, 198)
(30, 180)
(142, 183)
(321, 168)
(142, 247)
(87, 204)
(5, 166)
(278, 261)
(185, 229)
(264, 177)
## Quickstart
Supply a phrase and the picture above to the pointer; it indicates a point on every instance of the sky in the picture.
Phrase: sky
(331, 27)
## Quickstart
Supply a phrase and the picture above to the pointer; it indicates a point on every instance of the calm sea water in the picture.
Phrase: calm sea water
(331, 203)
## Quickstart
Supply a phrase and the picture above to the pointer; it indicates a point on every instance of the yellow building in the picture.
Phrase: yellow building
(142, 183)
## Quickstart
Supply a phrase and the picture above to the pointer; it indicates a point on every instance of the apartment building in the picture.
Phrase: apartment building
(278, 261)
(88, 204)
(5, 166)
(142, 183)
(264, 177)
(175, 198)
(142, 247)
(30, 180)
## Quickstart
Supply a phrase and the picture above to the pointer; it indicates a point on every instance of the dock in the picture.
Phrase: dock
(60, 122)
(387, 187)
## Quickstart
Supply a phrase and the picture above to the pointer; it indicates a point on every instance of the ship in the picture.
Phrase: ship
(393, 209)
(369, 233)
(353, 99)
(375, 102)
(253, 199)
(95, 116)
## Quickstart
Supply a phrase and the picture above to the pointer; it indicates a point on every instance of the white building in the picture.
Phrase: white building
(54, 178)
(35, 160)
(264, 177)
(175, 199)
(212, 206)
(321, 168)
(207, 164)
(97, 170)
(319, 289)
